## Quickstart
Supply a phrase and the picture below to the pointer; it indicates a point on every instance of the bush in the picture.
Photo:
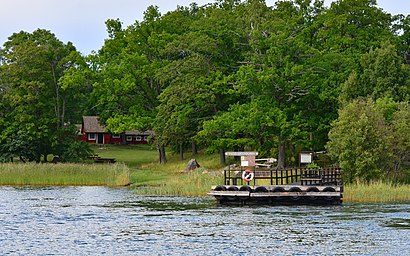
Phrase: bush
(370, 139)
(358, 140)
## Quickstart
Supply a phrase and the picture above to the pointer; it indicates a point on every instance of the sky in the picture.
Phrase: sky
(82, 22)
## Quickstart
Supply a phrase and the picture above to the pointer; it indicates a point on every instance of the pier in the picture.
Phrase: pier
(251, 183)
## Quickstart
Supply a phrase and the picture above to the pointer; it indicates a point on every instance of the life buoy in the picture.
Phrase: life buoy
(248, 175)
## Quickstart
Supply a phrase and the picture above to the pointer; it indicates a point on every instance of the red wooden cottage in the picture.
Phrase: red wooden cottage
(92, 131)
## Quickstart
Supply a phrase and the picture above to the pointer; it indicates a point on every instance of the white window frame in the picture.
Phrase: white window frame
(138, 138)
(129, 138)
(145, 138)
(92, 136)
(116, 136)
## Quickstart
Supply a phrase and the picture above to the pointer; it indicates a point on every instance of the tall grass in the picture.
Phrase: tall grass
(376, 192)
(172, 179)
(64, 174)
(195, 183)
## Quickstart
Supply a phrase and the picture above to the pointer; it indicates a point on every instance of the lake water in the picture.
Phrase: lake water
(112, 221)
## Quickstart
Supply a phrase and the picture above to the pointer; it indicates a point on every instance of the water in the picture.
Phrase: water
(112, 221)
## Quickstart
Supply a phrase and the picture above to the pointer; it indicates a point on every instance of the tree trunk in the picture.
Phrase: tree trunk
(282, 153)
(194, 149)
(181, 151)
(236, 158)
(57, 95)
(38, 155)
(162, 156)
(22, 159)
(222, 159)
(63, 112)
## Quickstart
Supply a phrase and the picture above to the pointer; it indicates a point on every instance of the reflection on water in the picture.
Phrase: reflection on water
(399, 223)
(99, 220)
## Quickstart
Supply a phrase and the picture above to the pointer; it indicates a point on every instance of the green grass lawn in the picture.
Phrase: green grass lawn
(132, 155)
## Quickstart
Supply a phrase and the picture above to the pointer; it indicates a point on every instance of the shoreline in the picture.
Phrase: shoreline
(162, 181)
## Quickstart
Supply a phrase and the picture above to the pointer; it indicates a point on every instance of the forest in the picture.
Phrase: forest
(229, 75)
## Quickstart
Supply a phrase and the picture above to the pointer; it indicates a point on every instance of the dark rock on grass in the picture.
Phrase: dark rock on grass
(192, 165)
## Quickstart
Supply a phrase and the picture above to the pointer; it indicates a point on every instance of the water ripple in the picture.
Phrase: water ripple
(98, 220)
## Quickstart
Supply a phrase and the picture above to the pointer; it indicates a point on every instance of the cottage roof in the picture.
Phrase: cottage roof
(91, 124)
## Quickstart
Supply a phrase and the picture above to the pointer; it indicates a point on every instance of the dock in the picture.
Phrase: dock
(258, 184)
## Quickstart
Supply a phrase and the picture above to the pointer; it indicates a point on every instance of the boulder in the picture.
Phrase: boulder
(56, 159)
(192, 165)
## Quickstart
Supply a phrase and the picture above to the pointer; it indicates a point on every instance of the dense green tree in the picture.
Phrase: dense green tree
(276, 74)
(130, 77)
(381, 73)
(369, 139)
(354, 26)
(400, 143)
(401, 24)
(199, 62)
(37, 106)
(358, 141)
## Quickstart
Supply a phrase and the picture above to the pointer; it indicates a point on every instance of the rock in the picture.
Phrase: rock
(230, 167)
(56, 159)
(192, 165)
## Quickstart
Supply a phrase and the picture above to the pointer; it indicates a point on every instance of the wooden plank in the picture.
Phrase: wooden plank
(297, 194)
(229, 193)
(241, 153)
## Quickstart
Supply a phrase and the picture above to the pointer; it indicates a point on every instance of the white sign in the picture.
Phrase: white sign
(305, 158)
(247, 160)
(241, 153)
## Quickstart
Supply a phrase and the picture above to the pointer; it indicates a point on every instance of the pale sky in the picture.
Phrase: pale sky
(82, 21)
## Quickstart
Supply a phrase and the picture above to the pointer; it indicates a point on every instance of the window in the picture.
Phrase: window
(91, 136)
(145, 138)
(129, 138)
(138, 138)
(116, 136)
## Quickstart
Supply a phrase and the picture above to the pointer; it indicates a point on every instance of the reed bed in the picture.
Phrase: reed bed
(376, 192)
(172, 179)
(195, 183)
(64, 174)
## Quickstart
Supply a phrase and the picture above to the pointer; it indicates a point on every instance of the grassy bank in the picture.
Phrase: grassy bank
(376, 192)
(64, 174)
(138, 165)
(172, 179)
